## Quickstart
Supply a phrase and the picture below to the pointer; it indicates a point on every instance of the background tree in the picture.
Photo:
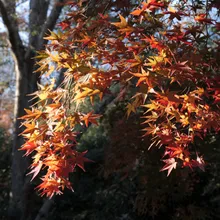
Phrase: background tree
(42, 16)
(7, 87)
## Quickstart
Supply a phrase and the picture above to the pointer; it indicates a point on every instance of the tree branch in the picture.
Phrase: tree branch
(37, 18)
(39, 23)
(11, 24)
(44, 210)
(51, 21)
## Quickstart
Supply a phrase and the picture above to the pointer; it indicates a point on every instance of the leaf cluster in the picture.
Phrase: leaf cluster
(163, 48)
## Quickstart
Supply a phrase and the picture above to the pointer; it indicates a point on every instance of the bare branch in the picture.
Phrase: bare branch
(51, 20)
(21, 2)
(44, 210)
(39, 23)
(11, 24)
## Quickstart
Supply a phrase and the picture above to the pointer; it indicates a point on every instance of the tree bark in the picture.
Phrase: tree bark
(26, 83)
(44, 210)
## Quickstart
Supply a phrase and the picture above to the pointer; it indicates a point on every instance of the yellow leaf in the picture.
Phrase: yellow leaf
(43, 95)
(81, 95)
(59, 127)
(151, 106)
(122, 23)
(130, 108)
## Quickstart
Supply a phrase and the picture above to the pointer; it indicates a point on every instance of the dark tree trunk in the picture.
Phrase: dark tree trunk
(21, 188)
(26, 83)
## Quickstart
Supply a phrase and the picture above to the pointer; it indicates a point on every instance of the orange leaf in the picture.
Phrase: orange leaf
(202, 19)
(80, 159)
(29, 146)
(90, 118)
(122, 23)
(136, 12)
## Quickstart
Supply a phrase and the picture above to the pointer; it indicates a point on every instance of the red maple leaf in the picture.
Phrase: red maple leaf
(80, 159)
(64, 25)
(29, 146)
(154, 43)
(152, 5)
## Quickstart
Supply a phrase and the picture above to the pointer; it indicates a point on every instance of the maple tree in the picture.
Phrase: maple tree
(167, 50)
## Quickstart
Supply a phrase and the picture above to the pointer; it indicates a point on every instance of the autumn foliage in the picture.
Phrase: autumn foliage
(167, 50)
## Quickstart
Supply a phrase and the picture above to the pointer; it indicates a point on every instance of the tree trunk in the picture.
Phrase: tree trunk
(21, 189)
(26, 82)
